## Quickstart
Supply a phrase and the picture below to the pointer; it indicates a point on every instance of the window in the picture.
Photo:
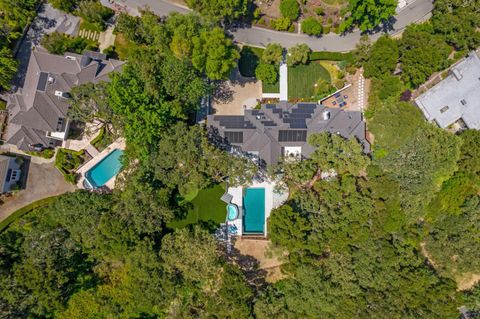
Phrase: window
(444, 109)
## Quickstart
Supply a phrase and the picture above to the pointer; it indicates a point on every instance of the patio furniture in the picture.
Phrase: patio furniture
(334, 103)
(345, 96)
(342, 104)
(337, 95)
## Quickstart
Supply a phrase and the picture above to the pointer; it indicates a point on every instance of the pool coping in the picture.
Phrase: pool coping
(117, 144)
(237, 193)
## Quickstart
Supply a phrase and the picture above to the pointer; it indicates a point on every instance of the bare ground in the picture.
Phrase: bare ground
(268, 266)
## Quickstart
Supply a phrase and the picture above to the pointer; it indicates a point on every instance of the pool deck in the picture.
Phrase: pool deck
(272, 201)
(118, 144)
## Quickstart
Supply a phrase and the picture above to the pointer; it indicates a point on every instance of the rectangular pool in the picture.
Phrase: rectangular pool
(254, 210)
(104, 170)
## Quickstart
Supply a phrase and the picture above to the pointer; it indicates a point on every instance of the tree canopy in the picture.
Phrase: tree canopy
(368, 14)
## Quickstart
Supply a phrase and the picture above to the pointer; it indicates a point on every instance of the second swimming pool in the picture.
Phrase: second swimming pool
(254, 210)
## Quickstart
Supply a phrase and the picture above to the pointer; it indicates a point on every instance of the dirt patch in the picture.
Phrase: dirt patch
(467, 281)
(259, 250)
(427, 255)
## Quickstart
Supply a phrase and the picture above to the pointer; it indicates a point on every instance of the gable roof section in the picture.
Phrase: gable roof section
(274, 126)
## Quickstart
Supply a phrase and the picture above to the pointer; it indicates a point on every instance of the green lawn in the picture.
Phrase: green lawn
(302, 79)
(206, 206)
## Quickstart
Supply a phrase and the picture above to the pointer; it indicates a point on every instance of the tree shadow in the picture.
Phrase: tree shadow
(250, 266)
(222, 92)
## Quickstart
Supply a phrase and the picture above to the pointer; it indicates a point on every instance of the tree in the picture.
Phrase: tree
(451, 239)
(267, 73)
(457, 21)
(383, 58)
(281, 24)
(64, 5)
(93, 11)
(421, 54)
(367, 14)
(298, 54)
(273, 54)
(470, 152)
(312, 26)
(192, 255)
(218, 10)
(88, 102)
(290, 9)
(8, 67)
(214, 54)
(59, 43)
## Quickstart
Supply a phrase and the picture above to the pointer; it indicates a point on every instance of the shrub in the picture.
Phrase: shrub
(323, 89)
(327, 28)
(311, 26)
(267, 73)
(290, 9)
(339, 83)
(331, 56)
(3, 105)
(67, 161)
(273, 54)
(298, 54)
(64, 5)
(58, 43)
(319, 11)
(46, 153)
(93, 11)
(281, 24)
(383, 58)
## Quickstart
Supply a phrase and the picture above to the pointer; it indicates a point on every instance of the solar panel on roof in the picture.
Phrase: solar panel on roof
(234, 137)
(292, 136)
(42, 81)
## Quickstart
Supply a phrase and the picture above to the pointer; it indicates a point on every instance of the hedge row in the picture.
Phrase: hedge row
(331, 56)
(24, 210)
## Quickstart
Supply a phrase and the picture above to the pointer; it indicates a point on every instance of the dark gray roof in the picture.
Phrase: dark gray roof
(268, 130)
(36, 108)
(4, 160)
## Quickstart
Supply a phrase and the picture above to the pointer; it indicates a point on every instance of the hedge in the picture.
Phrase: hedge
(331, 56)
(24, 210)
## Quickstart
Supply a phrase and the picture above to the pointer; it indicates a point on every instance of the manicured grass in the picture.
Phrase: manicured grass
(302, 79)
(206, 206)
(24, 210)
(271, 88)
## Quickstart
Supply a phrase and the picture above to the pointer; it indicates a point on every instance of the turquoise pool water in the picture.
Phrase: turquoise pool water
(104, 170)
(254, 210)
(232, 211)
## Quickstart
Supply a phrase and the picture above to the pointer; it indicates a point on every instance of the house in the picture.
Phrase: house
(10, 173)
(456, 99)
(37, 113)
(281, 130)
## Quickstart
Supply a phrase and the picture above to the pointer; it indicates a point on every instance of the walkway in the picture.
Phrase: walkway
(283, 82)
(413, 12)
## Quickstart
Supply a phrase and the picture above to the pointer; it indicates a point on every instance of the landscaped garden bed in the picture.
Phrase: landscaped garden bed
(68, 161)
(103, 139)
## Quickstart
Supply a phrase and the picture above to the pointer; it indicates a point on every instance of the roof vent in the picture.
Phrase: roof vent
(51, 79)
(457, 74)
(464, 102)
(326, 115)
(69, 57)
(61, 94)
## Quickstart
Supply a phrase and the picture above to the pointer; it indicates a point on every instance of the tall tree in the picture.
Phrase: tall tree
(218, 10)
(214, 54)
(368, 14)
(8, 67)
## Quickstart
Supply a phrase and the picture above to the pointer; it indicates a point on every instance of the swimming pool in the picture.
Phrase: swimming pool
(104, 170)
(254, 210)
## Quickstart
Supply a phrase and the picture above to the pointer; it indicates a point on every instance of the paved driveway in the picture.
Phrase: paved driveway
(44, 180)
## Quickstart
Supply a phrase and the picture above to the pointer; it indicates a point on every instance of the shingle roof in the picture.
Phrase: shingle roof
(275, 126)
(4, 160)
(39, 110)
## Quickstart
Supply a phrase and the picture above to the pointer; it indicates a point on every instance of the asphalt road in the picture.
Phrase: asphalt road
(255, 36)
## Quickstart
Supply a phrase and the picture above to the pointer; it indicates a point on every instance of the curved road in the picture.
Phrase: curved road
(414, 12)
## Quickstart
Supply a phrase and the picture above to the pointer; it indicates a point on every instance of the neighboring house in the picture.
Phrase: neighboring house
(10, 173)
(281, 130)
(38, 111)
(456, 98)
